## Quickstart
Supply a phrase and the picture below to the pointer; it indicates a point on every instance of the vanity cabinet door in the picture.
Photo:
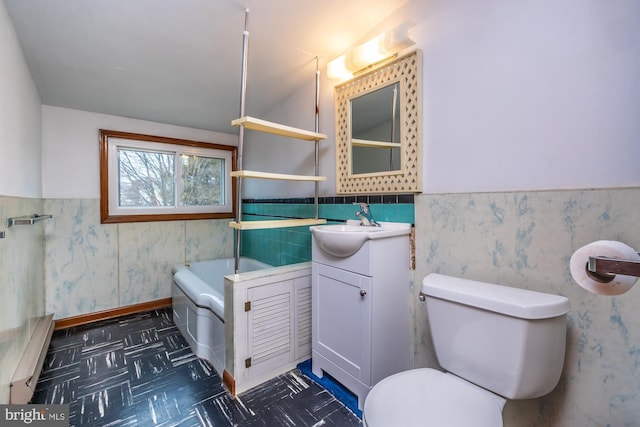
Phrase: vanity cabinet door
(342, 321)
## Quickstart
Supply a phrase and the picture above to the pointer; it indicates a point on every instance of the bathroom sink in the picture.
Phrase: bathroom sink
(344, 240)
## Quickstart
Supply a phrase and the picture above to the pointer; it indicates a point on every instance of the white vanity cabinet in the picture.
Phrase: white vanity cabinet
(360, 313)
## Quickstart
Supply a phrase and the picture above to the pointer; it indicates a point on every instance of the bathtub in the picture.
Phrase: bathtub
(198, 304)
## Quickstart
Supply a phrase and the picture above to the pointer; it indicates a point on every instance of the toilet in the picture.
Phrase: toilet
(494, 342)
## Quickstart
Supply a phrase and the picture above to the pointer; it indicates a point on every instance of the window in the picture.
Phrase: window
(152, 178)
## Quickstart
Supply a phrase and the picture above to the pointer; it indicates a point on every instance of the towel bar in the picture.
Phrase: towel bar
(27, 219)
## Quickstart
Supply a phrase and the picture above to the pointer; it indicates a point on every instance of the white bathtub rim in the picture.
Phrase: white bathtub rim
(203, 294)
(198, 291)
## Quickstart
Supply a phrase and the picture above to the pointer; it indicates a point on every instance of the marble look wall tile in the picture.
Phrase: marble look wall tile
(91, 267)
(81, 258)
(21, 284)
(147, 254)
(525, 240)
(208, 239)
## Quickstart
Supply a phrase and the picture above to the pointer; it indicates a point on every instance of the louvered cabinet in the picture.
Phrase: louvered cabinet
(271, 324)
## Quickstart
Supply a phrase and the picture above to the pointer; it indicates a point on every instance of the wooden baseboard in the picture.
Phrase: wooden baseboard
(84, 319)
(229, 382)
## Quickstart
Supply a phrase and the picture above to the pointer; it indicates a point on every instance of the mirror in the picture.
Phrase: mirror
(378, 129)
(375, 131)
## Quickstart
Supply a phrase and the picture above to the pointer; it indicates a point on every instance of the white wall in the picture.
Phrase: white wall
(520, 97)
(282, 155)
(20, 123)
(21, 254)
(516, 96)
(530, 95)
(71, 165)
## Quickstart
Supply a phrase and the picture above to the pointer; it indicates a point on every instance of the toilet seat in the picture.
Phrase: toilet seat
(427, 397)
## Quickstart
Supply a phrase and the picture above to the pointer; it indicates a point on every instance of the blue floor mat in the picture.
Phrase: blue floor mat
(349, 399)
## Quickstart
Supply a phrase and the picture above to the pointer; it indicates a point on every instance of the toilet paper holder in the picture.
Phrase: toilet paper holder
(604, 267)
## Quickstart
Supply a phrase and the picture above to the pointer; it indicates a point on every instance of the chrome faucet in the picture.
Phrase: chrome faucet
(365, 215)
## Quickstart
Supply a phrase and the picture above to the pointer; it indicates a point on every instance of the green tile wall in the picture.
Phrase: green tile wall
(283, 246)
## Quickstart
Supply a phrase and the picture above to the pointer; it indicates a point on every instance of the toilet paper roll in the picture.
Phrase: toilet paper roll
(603, 248)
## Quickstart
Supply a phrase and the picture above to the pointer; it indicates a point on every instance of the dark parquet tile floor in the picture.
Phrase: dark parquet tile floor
(139, 371)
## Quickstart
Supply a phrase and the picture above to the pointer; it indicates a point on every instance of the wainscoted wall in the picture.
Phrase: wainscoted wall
(91, 267)
(21, 284)
(283, 246)
(525, 240)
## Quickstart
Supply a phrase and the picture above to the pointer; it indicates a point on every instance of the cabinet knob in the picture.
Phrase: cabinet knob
(362, 292)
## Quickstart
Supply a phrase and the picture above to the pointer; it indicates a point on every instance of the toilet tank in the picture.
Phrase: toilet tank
(510, 341)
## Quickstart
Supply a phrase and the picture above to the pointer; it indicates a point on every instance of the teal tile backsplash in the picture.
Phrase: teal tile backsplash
(283, 246)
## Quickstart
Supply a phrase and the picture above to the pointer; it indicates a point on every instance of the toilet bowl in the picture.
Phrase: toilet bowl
(495, 342)
(427, 397)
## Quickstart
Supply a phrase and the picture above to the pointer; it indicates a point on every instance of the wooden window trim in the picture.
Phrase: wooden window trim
(106, 218)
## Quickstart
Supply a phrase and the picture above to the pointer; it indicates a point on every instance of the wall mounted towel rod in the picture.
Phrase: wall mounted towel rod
(606, 268)
(27, 219)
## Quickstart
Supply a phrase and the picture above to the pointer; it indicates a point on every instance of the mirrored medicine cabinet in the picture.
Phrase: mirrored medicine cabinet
(378, 129)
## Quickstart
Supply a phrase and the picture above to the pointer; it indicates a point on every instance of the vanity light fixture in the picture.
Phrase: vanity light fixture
(370, 54)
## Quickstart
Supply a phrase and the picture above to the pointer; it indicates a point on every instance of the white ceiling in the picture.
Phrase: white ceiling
(179, 61)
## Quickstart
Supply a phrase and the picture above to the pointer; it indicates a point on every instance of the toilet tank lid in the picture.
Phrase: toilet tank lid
(516, 302)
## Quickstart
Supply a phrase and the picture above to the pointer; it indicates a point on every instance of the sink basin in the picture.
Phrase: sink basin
(344, 240)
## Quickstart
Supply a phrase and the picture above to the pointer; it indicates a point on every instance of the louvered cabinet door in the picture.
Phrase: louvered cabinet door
(270, 327)
(302, 314)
